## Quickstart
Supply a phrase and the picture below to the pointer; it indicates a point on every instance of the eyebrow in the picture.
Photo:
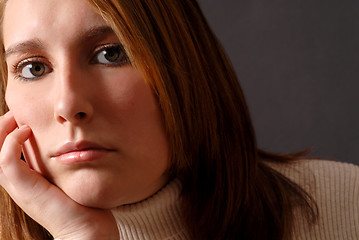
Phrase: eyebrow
(96, 32)
(23, 47)
(92, 33)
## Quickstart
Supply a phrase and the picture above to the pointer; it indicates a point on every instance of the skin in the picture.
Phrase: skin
(76, 95)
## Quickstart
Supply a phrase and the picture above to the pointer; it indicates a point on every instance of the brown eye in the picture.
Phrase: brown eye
(33, 70)
(111, 55)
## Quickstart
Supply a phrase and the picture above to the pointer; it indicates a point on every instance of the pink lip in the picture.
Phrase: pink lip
(80, 152)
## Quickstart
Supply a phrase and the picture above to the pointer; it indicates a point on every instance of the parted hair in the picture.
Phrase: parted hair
(228, 189)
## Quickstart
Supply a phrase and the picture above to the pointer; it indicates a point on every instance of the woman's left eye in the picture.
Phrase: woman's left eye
(111, 55)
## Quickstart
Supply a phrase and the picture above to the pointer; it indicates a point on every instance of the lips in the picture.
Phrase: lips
(83, 151)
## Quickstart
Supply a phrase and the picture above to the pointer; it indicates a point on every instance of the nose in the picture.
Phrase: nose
(72, 97)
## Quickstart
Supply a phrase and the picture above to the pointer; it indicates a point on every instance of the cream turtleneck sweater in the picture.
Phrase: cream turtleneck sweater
(334, 186)
(157, 217)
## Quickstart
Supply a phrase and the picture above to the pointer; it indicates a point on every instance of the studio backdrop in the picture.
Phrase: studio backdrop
(298, 64)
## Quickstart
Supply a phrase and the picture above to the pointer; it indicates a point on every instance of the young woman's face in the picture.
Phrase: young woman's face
(97, 128)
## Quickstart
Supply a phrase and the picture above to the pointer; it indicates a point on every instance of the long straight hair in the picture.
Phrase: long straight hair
(228, 191)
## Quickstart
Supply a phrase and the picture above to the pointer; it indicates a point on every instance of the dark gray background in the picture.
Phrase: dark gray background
(297, 61)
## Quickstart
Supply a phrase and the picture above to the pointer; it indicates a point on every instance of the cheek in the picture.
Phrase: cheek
(18, 105)
(133, 109)
(26, 111)
(127, 95)
(26, 108)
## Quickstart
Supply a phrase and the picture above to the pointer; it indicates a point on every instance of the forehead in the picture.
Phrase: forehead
(47, 20)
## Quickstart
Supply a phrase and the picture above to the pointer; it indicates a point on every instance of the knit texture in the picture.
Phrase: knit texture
(335, 188)
(157, 217)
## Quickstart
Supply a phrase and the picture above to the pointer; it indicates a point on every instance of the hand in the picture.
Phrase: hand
(44, 202)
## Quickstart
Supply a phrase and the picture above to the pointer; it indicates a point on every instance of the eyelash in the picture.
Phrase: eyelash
(18, 67)
(122, 60)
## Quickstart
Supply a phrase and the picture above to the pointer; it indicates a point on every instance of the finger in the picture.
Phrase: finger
(23, 184)
(32, 156)
(7, 125)
(42, 201)
(34, 194)
(18, 179)
(11, 166)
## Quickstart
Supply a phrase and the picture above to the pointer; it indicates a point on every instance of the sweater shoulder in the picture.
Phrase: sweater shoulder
(335, 188)
(320, 173)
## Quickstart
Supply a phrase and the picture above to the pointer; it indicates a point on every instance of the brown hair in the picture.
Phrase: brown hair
(228, 190)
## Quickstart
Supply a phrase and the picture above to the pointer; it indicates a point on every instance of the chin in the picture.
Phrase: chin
(94, 197)
(92, 191)
(93, 202)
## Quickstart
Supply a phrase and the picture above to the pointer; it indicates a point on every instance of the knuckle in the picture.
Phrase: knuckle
(8, 150)
(3, 160)
(13, 138)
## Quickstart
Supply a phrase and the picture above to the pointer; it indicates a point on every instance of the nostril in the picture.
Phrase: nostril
(80, 115)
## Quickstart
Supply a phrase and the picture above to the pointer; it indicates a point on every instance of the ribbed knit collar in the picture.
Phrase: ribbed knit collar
(157, 217)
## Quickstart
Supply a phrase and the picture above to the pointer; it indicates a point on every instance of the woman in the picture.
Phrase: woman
(133, 126)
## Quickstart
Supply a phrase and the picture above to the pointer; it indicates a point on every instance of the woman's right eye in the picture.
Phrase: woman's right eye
(30, 70)
(33, 70)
